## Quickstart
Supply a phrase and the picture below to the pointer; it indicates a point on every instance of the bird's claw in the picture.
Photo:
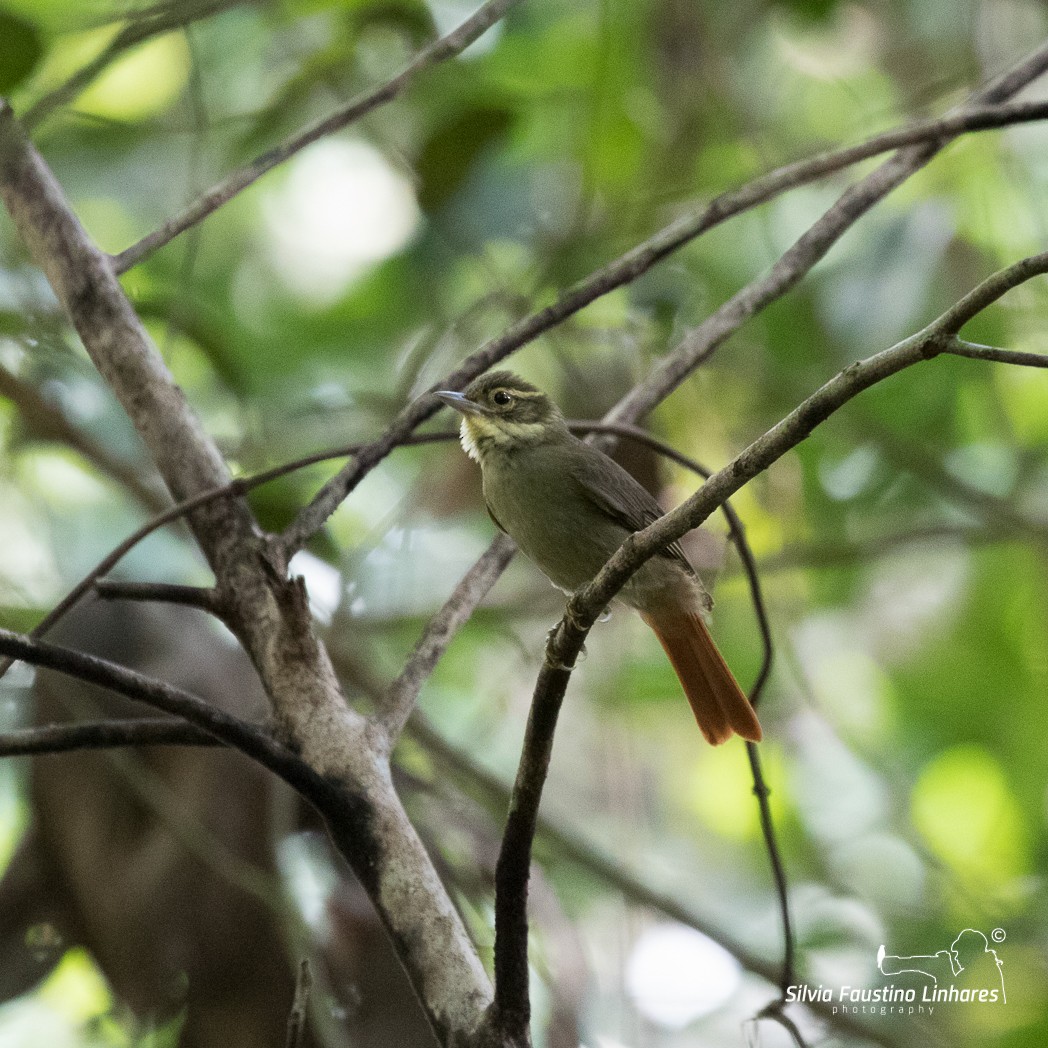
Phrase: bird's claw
(556, 664)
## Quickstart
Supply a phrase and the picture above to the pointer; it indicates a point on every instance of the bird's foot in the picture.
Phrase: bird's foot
(556, 664)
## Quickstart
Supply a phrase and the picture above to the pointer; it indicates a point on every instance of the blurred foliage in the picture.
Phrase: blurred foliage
(904, 542)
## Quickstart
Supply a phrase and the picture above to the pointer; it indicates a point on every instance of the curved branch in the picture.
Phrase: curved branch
(441, 50)
(937, 338)
(566, 640)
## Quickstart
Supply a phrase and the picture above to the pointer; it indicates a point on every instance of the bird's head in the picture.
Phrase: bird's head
(502, 412)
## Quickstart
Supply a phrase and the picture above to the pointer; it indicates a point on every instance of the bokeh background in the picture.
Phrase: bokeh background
(901, 548)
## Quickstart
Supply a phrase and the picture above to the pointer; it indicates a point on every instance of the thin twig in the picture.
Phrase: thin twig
(104, 735)
(725, 206)
(402, 693)
(296, 1022)
(201, 597)
(144, 26)
(795, 263)
(441, 50)
(249, 738)
(959, 348)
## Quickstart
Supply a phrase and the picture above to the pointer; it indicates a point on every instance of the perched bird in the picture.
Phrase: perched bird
(569, 507)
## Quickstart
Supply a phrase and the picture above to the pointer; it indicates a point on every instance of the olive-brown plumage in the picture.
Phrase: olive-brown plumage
(569, 507)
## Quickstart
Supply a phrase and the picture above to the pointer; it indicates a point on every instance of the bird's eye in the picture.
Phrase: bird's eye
(501, 397)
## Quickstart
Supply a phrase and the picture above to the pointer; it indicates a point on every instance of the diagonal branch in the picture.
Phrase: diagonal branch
(143, 26)
(440, 630)
(798, 260)
(441, 50)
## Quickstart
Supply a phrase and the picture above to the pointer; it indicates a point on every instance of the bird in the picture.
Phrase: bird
(569, 507)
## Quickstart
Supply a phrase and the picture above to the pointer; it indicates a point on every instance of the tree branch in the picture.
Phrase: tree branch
(144, 25)
(163, 592)
(721, 208)
(565, 643)
(700, 344)
(441, 50)
(959, 348)
(342, 752)
(104, 735)
(403, 692)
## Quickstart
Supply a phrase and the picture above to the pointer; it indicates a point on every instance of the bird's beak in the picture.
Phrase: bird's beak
(460, 402)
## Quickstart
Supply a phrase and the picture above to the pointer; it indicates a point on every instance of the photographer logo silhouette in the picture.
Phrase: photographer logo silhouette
(970, 970)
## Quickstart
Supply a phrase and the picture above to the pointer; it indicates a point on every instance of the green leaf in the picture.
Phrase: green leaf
(20, 49)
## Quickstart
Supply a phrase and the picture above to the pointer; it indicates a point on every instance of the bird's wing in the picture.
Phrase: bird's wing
(619, 496)
(494, 519)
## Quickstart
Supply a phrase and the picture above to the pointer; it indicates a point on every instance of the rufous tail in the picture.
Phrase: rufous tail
(719, 704)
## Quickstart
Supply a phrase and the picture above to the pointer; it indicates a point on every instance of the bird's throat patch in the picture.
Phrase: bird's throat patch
(479, 434)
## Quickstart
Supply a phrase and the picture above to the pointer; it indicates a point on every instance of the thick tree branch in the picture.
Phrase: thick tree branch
(511, 1001)
(343, 753)
(441, 50)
